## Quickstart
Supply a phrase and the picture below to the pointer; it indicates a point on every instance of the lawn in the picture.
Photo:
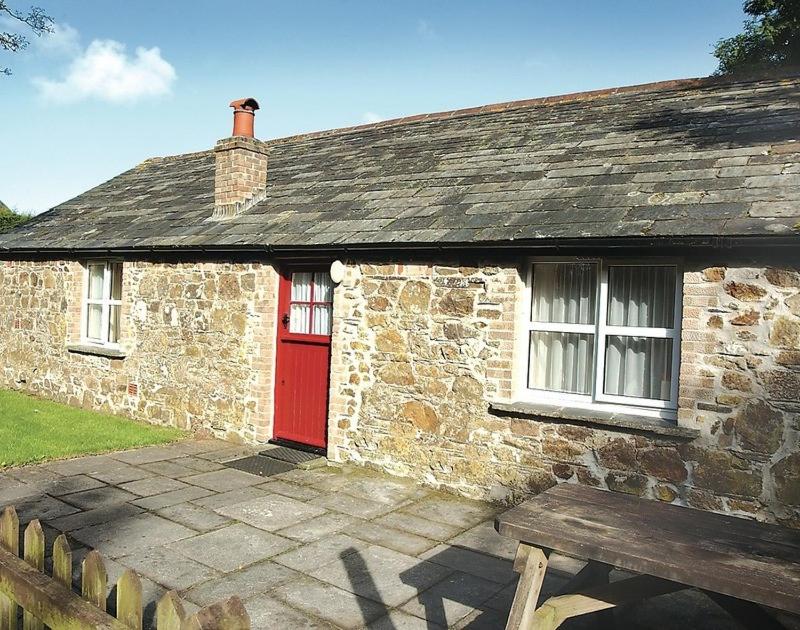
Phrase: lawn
(33, 430)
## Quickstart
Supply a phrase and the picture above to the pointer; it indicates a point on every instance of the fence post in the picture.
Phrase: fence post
(62, 561)
(170, 612)
(9, 539)
(94, 580)
(34, 556)
(227, 615)
(129, 600)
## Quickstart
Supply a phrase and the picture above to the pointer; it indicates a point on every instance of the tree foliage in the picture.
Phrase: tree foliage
(10, 219)
(35, 19)
(771, 38)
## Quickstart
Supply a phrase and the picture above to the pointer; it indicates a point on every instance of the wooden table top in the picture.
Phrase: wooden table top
(745, 559)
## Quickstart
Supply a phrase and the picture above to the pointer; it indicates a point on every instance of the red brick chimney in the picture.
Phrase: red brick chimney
(240, 178)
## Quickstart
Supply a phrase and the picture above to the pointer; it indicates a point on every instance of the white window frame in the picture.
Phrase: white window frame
(600, 330)
(105, 302)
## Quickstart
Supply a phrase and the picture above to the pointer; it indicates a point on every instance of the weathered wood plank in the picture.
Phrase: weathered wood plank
(736, 557)
(170, 613)
(129, 600)
(533, 562)
(9, 540)
(33, 554)
(94, 580)
(62, 562)
(227, 615)
(50, 602)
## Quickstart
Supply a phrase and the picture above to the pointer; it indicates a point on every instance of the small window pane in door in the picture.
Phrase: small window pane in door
(96, 281)
(640, 367)
(301, 287)
(94, 325)
(323, 287)
(299, 318)
(322, 319)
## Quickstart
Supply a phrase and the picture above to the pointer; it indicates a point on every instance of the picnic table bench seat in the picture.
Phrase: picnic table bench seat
(741, 564)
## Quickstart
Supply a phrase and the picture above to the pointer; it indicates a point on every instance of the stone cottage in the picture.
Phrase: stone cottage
(598, 288)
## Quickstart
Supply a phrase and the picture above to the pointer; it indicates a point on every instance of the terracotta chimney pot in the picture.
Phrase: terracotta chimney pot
(244, 114)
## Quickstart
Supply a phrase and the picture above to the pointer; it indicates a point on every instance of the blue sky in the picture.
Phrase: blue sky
(122, 81)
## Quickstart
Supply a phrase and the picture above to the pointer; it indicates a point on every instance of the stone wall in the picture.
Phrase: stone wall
(199, 343)
(420, 350)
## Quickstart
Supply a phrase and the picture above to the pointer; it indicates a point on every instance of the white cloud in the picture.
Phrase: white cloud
(372, 117)
(106, 72)
(425, 29)
(63, 40)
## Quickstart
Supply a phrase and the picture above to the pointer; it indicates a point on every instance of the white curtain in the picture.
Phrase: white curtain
(561, 362)
(300, 314)
(564, 293)
(640, 367)
(641, 296)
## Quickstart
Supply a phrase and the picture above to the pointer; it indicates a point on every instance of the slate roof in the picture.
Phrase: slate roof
(699, 157)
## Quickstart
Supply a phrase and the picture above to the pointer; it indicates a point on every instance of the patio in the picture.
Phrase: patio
(321, 548)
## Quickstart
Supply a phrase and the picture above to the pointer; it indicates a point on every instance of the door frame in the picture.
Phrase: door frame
(282, 334)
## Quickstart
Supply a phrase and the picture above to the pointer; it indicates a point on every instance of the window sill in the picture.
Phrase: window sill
(597, 418)
(100, 351)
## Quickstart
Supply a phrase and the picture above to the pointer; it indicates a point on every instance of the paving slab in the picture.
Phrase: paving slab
(120, 472)
(198, 464)
(224, 480)
(69, 485)
(340, 607)
(219, 499)
(354, 506)
(319, 527)
(484, 538)
(145, 455)
(488, 567)
(34, 475)
(233, 547)
(154, 485)
(293, 490)
(228, 453)
(170, 468)
(104, 514)
(266, 611)
(125, 536)
(458, 512)
(81, 465)
(158, 501)
(255, 579)
(382, 489)
(98, 497)
(419, 526)
(271, 512)
(168, 568)
(313, 556)
(452, 599)
(399, 620)
(196, 517)
(382, 575)
(13, 490)
(404, 542)
(42, 507)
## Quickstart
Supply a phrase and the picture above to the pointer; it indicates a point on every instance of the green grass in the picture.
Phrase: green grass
(33, 430)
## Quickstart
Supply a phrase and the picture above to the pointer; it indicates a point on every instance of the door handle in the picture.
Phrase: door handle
(285, 320)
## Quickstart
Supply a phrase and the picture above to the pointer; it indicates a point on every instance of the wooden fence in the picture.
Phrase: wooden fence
(49, 601)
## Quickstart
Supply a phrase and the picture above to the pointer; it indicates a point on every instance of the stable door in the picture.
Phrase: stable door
(305, 309)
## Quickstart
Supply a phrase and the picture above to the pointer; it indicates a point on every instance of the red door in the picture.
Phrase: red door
(305, 305)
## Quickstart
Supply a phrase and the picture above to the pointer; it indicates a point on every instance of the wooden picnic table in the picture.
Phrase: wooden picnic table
(741, 564)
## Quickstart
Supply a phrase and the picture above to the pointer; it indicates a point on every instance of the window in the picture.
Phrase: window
(311, 303)
(102, 303)
(603, 333)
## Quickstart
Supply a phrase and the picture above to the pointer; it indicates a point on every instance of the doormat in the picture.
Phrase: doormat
(290, 455)
(260, 465)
